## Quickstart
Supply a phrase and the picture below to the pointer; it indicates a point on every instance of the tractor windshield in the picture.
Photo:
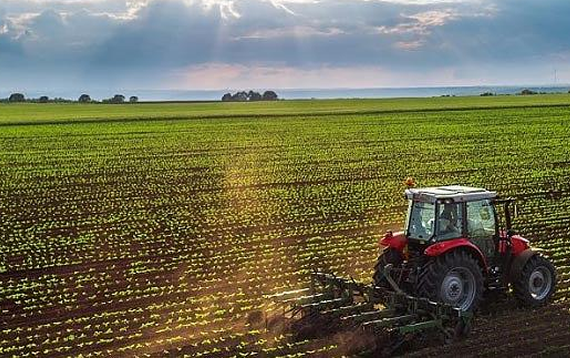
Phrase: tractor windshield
(421, 219)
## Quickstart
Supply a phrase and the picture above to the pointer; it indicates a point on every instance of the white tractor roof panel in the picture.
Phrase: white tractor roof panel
(455, 193)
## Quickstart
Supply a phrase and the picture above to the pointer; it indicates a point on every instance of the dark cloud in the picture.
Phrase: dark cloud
(168, 32)
(139, 43)
(520, 31)
(10, 47)
(35, 6)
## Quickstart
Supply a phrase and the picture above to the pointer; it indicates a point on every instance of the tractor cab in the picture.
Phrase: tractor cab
(453, 212)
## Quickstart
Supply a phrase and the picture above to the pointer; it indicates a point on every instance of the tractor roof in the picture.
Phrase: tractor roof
(455, 193)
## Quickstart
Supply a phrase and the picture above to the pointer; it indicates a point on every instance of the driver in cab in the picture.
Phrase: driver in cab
(447, 223)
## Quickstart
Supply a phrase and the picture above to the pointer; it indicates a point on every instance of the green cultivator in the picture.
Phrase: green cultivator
(332, 303)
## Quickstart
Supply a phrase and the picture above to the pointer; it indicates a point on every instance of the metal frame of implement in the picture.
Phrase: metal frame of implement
(348, 303)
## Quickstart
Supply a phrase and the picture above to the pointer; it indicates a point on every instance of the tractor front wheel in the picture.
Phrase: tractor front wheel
(536, 282)
(454, 278)
(388, 256)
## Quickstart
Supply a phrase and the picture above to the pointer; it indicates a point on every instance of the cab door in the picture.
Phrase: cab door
(482, 226)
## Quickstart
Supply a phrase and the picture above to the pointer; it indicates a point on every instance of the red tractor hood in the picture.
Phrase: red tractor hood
(519, 243)
(395, 240)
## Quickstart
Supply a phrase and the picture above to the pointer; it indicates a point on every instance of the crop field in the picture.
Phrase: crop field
(159, 229)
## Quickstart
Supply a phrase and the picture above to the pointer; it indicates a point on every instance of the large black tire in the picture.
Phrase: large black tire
(536, 283)
(454, 278)
(388, 256)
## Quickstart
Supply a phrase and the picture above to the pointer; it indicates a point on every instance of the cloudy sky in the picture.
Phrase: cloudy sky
(217, 44)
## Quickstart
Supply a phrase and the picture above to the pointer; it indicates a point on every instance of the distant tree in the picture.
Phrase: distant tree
(118, 98)
(133, 99)
(84, 98)
(227, 97)
(527, 91)
(240, 96)
(43, 99)
(17, 97)
(270, 96)
(486, 94)
(254, 96)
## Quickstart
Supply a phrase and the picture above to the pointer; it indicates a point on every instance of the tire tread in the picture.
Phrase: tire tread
(434, 271)
(520, 284)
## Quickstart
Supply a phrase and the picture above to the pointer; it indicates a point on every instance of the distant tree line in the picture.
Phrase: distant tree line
(119, 98)
(527, 92)
(524, 92)
(20, 98)
(84, 98)
(251, 96)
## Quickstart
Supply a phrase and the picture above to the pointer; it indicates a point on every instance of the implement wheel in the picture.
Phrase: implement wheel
(454, 278)
(388, 256)
(536, 283)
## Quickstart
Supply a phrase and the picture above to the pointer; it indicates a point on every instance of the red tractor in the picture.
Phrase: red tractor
(455, 246)
(457, 243)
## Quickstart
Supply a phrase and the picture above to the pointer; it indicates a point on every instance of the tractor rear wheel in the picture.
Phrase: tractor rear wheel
(536, 282)
(388, 256)
(454, 278)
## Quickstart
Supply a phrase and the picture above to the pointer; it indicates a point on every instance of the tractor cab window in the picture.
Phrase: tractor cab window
(481, 225)
(449, 221)
(480, 219)
(421, 218)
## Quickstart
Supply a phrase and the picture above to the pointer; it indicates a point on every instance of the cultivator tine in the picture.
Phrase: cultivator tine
(387, 322)
(303, 300)
(280, 297)
(420, 326)
(344, 310)
(336, 302)
(369, 316)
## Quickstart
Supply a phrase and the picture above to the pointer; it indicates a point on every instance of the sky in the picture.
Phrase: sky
(242, 44)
